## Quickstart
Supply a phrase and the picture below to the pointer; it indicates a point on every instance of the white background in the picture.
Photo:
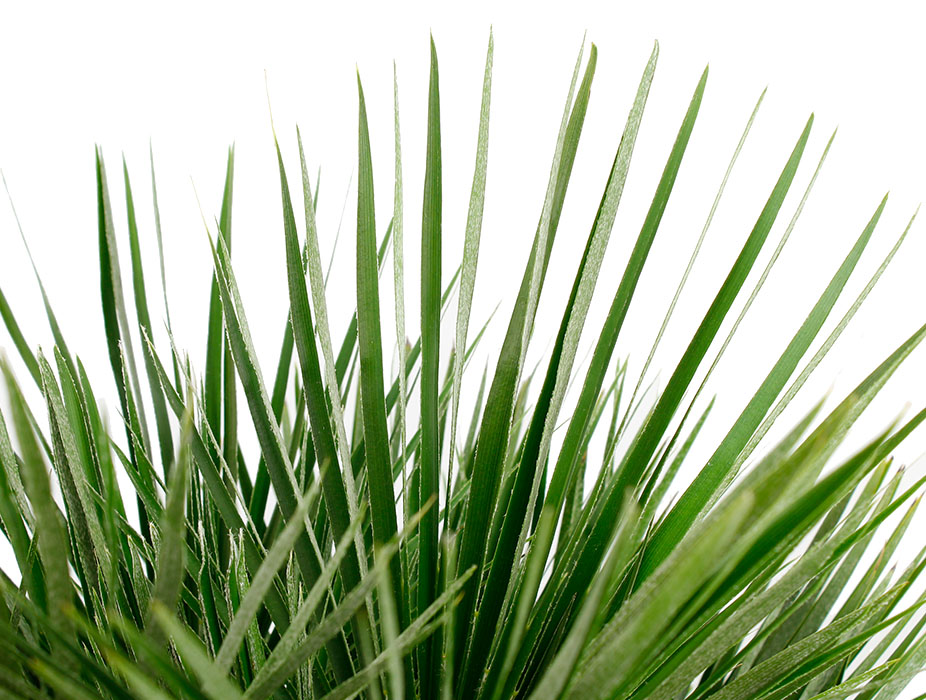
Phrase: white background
(193, 78)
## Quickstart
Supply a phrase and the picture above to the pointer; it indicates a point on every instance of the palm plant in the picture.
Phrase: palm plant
(358, 552)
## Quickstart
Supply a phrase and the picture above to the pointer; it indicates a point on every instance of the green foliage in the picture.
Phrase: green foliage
(443, 559)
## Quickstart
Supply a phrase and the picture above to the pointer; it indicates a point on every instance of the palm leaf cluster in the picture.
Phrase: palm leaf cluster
(358, 552)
